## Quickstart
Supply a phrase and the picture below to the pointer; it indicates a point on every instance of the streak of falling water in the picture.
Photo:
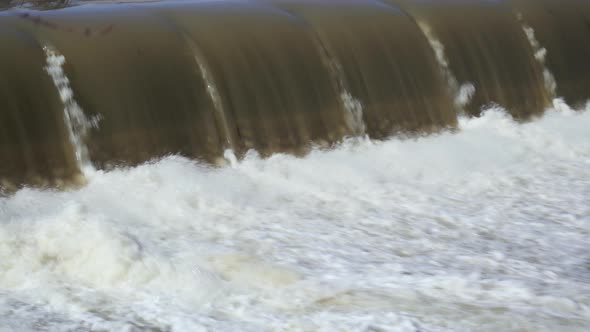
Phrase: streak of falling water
(540, 54)
(462, 92)
(352, 106)
(230, 157)
(76, 121)
(354, 114)
(230, 148)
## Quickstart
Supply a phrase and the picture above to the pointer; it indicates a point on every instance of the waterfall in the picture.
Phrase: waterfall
(77, 123)
(212, 91)
(462, 93)
(540, 54)
(352, 106)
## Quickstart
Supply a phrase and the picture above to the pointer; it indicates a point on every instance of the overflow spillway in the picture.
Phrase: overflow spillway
(386, 62)
(563, 29)
(485, 46)
(199, 78)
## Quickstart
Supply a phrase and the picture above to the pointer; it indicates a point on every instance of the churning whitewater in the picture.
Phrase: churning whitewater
(482, 229)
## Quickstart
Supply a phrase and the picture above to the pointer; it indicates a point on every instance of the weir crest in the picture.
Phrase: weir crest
(212, 80)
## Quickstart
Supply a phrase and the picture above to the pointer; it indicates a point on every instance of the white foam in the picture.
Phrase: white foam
(485, 229)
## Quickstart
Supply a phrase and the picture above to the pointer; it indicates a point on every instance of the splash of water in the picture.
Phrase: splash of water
(540, 55)
(354, 114)
(77, 123)
(462, 92)
(230, 157)
(353, 107)
(487, 232)
(213, 92)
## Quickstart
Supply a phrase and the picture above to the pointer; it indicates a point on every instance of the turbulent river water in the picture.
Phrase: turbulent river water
(482, 229)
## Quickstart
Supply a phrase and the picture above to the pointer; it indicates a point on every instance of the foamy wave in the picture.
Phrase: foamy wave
(481, 229)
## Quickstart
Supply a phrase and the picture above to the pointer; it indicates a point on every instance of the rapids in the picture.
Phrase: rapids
(481, 229)
(295, 165)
